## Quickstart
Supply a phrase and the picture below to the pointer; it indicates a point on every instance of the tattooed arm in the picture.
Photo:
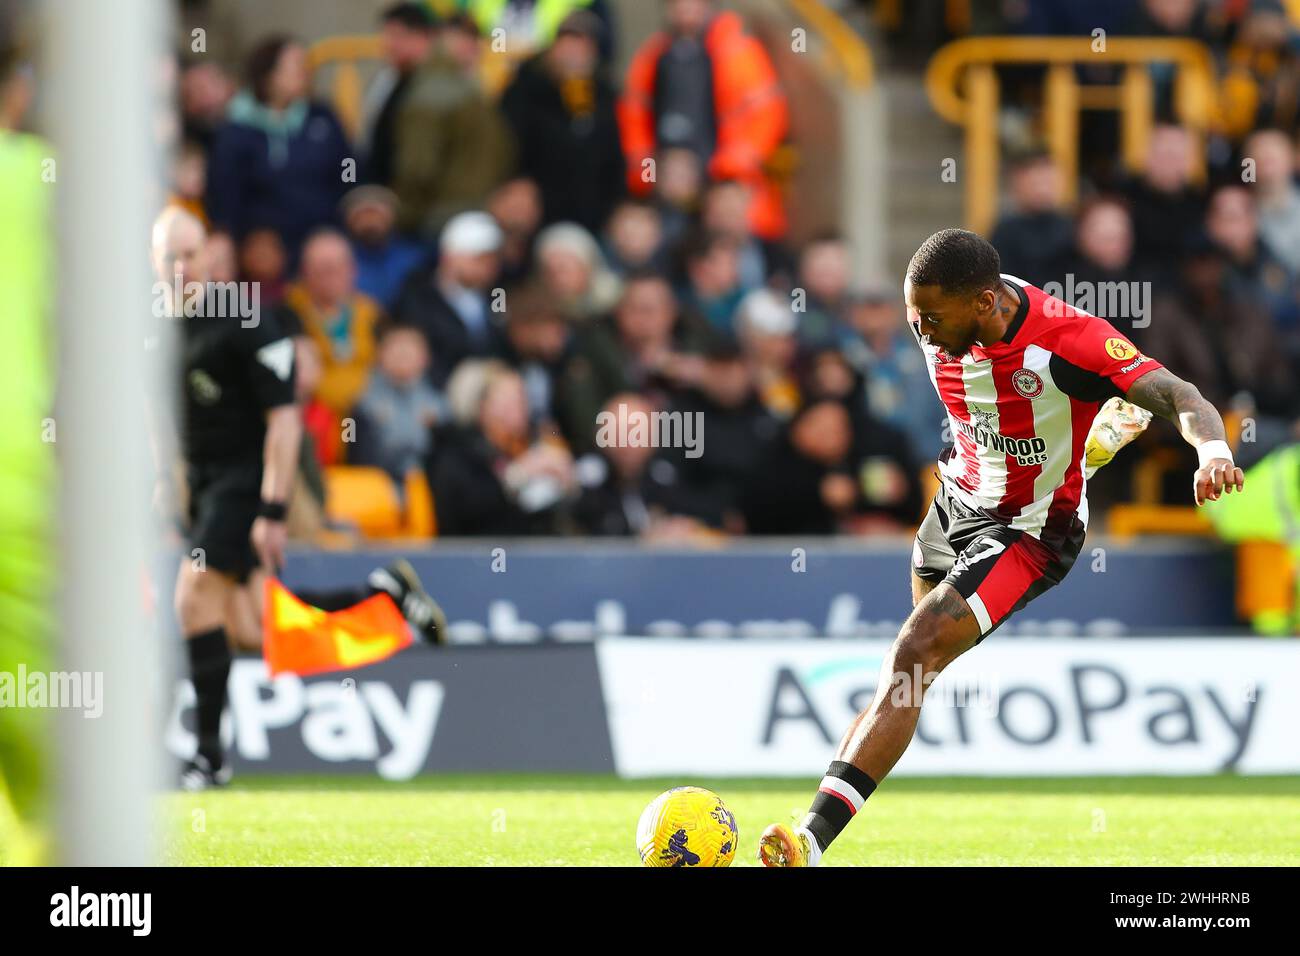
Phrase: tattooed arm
(1167, 395)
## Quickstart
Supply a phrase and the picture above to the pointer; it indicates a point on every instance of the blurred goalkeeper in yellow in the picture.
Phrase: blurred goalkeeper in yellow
(26, 458)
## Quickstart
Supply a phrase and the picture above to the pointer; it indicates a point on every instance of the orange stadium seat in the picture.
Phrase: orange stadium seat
(1128, 520)
(364, 497)
(367, 498)
(421, 519)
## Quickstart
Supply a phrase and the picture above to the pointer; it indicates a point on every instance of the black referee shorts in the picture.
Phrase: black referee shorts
(997, 569)
(224, 501)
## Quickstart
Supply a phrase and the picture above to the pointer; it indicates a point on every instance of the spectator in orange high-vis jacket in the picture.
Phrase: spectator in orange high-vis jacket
(704, 85)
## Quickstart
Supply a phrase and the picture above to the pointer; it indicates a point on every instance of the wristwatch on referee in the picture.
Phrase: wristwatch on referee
(273, 510)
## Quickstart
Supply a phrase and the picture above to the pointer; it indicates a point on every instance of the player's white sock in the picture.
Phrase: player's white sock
(840, 795)
(814, 848)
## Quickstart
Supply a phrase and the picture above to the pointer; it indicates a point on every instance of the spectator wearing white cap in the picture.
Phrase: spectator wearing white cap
(766, 328)
(573, 271)
(451, 303)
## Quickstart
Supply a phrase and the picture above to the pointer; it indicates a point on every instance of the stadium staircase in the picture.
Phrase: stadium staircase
(919, 201)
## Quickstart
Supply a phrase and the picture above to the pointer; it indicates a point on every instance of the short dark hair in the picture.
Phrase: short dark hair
(1028, 158)
(645, 274)
(386, 327)
(700, 243)
(956, 261)
(262, 61)
(413, 16)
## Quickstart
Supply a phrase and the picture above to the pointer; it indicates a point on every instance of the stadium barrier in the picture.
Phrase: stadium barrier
(639, 707)
(516, 591)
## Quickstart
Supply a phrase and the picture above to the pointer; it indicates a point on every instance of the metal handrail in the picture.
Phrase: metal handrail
(850, 51)
(962, 84)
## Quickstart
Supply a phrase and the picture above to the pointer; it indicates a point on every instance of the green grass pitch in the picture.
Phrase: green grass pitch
(567, 820)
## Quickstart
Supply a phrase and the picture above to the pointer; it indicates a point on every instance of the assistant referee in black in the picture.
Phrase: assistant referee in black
(239, 434)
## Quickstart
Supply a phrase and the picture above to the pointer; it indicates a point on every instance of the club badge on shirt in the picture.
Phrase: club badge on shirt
(1027, 383)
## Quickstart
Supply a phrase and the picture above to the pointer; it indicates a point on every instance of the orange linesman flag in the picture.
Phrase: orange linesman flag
(300, 639)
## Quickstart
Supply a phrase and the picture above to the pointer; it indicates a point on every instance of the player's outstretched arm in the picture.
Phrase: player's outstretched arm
(1164, 393)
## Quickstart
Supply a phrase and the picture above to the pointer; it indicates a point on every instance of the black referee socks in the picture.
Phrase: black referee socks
(840, 795)
(209, 668)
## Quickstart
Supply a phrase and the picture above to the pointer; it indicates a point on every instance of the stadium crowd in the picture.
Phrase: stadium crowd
(507, 263)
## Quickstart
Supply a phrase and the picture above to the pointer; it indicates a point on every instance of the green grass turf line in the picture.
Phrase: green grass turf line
(1216, 784)
(560, 819)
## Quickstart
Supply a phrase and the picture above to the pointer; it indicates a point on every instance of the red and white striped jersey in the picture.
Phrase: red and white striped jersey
(1020, 409)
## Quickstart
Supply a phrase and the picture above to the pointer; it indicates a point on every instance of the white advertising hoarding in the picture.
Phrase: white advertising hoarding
(1011, 707)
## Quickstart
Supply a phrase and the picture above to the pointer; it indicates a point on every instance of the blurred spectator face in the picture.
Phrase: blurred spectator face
(635, 232)
(730, 382)
(516, 205)
(1203, 274)
(564, 271)
(180, 249)
(573, 55)
(1231, 221)
(770, 349)
(16, 93)
(1264, 30)
(874, 318)
(1036, 187)
(460, 41)
(1105, 235)
(371, 223)
(329, 273)
(823, 433)
(290, 80)
(629, 459)
(824, 270)
(403, 356)
(726, 210)
(473, 270)
(262, 257)
(831, 376)
(679, 177)
(503, 416)
(1175, 16)
(307, 367)
(538, 336)
(190, 172)
(717, 271)
(205, 91)
(646, 313)
(688, 18)
(1271, 151)
(404, 48)
(1169, 159)
(223, 260)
